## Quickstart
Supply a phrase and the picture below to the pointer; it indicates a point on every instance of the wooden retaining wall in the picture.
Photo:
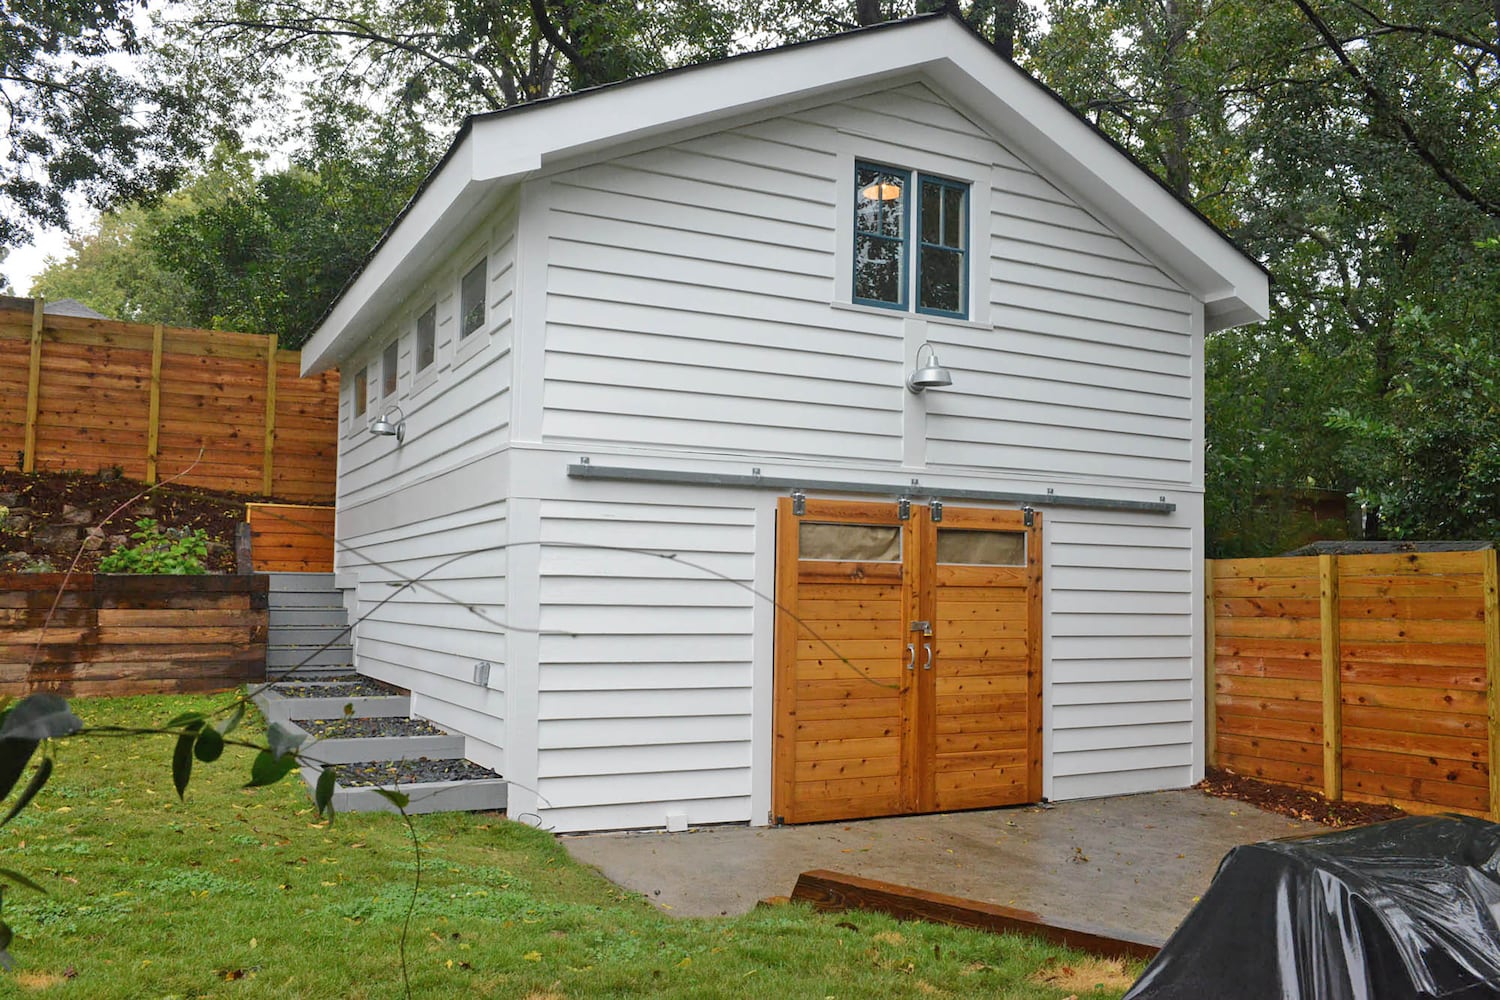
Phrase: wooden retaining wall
(117, 634)
(1375, 678)
(290, 538)
(81, 395)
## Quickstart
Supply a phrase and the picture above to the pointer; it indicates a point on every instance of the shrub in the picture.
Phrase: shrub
(173, 551)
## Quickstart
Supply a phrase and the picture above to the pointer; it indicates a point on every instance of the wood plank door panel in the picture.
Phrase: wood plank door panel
(842, 689)
(985, 681)
(909, 679)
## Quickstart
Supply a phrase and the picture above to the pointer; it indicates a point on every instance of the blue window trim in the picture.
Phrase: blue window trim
(911, 244)
(902, 242)
(962, 251)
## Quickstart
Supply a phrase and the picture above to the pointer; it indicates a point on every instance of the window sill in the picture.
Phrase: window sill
(904, 314)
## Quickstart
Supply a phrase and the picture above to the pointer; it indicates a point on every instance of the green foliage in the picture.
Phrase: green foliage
(171, 551)
(75, 123)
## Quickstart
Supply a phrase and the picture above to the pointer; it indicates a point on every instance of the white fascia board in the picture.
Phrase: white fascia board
(1066, 150)
(596, 121)
(429, 227)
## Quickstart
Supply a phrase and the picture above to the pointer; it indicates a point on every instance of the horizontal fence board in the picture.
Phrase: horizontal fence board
(1416, 662)
(1280, 771)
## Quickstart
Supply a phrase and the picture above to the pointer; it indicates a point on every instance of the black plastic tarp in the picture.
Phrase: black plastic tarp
(1405, 909)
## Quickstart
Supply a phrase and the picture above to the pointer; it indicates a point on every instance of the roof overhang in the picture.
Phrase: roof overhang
(493, 152)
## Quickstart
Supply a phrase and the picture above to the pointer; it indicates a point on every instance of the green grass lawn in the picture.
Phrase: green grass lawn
(245, 893)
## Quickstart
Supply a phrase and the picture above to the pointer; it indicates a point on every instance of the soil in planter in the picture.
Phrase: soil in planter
(49, 521)
(1298, 803)
(385, 773)
(360, 729)
(365, 687)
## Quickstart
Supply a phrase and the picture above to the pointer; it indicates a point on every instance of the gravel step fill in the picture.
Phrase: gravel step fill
(367, 728)
(408, 772)
(365, 687)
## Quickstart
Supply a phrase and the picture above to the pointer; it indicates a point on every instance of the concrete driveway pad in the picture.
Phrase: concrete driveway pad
(1132, 865)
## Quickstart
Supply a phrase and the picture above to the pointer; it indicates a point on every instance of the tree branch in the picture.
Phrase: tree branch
(1383, 106)
(552, 34)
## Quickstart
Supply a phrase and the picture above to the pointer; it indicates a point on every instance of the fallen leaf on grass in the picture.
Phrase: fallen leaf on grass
(1086, 976)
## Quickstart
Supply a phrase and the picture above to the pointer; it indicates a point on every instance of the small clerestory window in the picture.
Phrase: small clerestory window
(471, 300)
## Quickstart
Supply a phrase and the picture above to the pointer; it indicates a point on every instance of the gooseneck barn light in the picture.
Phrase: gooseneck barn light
(931, 376)
(391, 423)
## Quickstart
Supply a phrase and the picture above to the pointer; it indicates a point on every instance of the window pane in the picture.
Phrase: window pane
(932, 213)
(361, 392)
(877, 269)
(849, 542)
(426, 338)
(957, 546)
(880, 203)
(941, 284)
(954, 217)
(471, 301)
(388, 368)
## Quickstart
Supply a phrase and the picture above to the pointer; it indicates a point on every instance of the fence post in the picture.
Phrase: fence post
(153, 421)
(1210, 669)
(1333, 716)
(34, 382)
(270, 446)
(1492, 672)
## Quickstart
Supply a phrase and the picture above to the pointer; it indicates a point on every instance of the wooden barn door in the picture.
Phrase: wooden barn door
(985, 680)
(908, 665)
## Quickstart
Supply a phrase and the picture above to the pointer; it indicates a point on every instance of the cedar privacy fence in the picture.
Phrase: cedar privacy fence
(1370, 677)
(83, 395)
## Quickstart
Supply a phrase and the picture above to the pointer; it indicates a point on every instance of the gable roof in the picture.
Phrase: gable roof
(493, 151)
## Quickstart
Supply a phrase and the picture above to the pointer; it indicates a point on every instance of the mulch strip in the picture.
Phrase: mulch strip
(1298, 803)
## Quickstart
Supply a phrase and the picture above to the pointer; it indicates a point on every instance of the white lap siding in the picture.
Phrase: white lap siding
(433, 508)
(431, 594)
(1120, 651)
(646, 658)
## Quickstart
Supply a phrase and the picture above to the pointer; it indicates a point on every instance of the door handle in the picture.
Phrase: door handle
(927, 664)
(911, 656)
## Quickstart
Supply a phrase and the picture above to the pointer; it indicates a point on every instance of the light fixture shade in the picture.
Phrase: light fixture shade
(389, 425)
(930, 376)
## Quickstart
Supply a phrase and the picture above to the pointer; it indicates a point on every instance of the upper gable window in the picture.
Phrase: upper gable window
(427, 338)
(471, 300)
(911, 241)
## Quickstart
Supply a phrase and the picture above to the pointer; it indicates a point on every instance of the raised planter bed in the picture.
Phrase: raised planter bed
(122, 634)
(378, 738)
(315, 700)
(477, 789)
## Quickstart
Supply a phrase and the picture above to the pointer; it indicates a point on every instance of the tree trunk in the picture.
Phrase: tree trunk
(1007, 14)
(1179, 109)
(868, 12)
